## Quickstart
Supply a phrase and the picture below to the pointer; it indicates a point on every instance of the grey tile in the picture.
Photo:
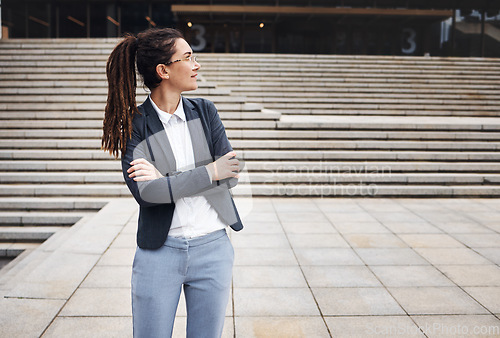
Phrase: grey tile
(463, 228)
(390, 256)
(352, 217)
(338, 205)
(375, 241)
(108, 277)
(472, 275)
(262, 228)
(380, 205)
(27, 317)
(124, 240)
(286, 205)
(57, 276)
(372, 326)
(327, 256)
(408, 276)
(123, 257)
(90, 327)
(436, 300)
(268, 277)
(407, 227)
(264, 256)
(490, 240)
(317, 241)
(451, 256)
(459, 326)
(361, 228)
(263, 302)
(431, 241)
(304, 216)
(99, 302)
(248, 205)
(308, 228)
(488, 296)
(244, 240)
(256, 216)
(356, 301)
(340, 276)
(274, 327)
(492, 254)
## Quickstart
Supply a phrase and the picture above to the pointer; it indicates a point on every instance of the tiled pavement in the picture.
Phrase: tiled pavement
(304, 267)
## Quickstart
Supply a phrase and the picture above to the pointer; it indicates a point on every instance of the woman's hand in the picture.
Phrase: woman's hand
(142, 170)
(224, 167)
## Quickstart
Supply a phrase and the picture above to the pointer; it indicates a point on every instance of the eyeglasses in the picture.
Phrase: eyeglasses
(191, 58)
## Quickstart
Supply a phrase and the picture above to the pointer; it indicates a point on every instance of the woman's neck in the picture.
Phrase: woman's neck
(166, 101)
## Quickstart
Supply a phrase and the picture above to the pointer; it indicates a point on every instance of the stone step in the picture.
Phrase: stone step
(61, 177)
(42, 88)
(87, 98)
(13, 249)
(338, 190)
(367, 167)
(53, 133)
(373, 155)
(266, 114)
(78, 190)
(330, 107)
(234, 134)
(381, 178)
(384, 176)
(68, 102)
(28, 234)
(229, 82)
(247, 70)
(79, 106)
(361, 93)
(97, 124)
(350, 144)
(352, 86)
(257, 189)
(78, 165)
(352, 111)
(51, 203)
(28, 218)
(337, 122)
(273, 155)
(357, 135)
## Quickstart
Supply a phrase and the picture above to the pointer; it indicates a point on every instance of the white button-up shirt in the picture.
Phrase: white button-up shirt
(193, 216)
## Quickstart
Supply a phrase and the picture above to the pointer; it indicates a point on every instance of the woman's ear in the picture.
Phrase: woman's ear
(162, 72)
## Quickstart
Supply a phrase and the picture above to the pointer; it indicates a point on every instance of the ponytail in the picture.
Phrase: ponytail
(150, 48)
(121, 103)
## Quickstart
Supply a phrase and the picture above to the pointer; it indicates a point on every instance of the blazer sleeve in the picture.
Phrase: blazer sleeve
(166, 189)
(220, 142)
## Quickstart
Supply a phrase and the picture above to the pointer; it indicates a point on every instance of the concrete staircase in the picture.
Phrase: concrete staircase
(363, 125)
(305, 125)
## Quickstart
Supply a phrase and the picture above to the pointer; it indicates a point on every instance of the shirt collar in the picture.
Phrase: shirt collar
(164, 116)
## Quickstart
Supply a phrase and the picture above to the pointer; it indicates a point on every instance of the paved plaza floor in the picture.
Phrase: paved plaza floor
(304, 267)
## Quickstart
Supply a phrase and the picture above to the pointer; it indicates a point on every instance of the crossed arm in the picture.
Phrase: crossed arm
(225, 167)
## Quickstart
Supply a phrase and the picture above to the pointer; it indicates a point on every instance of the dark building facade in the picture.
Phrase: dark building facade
(368, 27)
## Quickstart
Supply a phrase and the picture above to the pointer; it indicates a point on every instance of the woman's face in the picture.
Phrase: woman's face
(182, 74)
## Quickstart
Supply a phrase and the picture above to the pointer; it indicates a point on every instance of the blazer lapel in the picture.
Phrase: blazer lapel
(159, 136)
(199, 140)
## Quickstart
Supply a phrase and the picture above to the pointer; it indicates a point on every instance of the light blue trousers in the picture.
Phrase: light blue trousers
(203, 265)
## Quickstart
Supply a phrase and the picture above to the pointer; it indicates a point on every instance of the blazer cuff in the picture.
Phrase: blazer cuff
(209, 174)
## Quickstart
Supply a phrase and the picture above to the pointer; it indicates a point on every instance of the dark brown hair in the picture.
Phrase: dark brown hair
(147, 50)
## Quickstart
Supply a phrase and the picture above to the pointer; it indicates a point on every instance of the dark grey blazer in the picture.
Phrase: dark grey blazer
(156, 198)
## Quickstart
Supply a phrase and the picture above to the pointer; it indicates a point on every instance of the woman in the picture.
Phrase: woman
(179, 166)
